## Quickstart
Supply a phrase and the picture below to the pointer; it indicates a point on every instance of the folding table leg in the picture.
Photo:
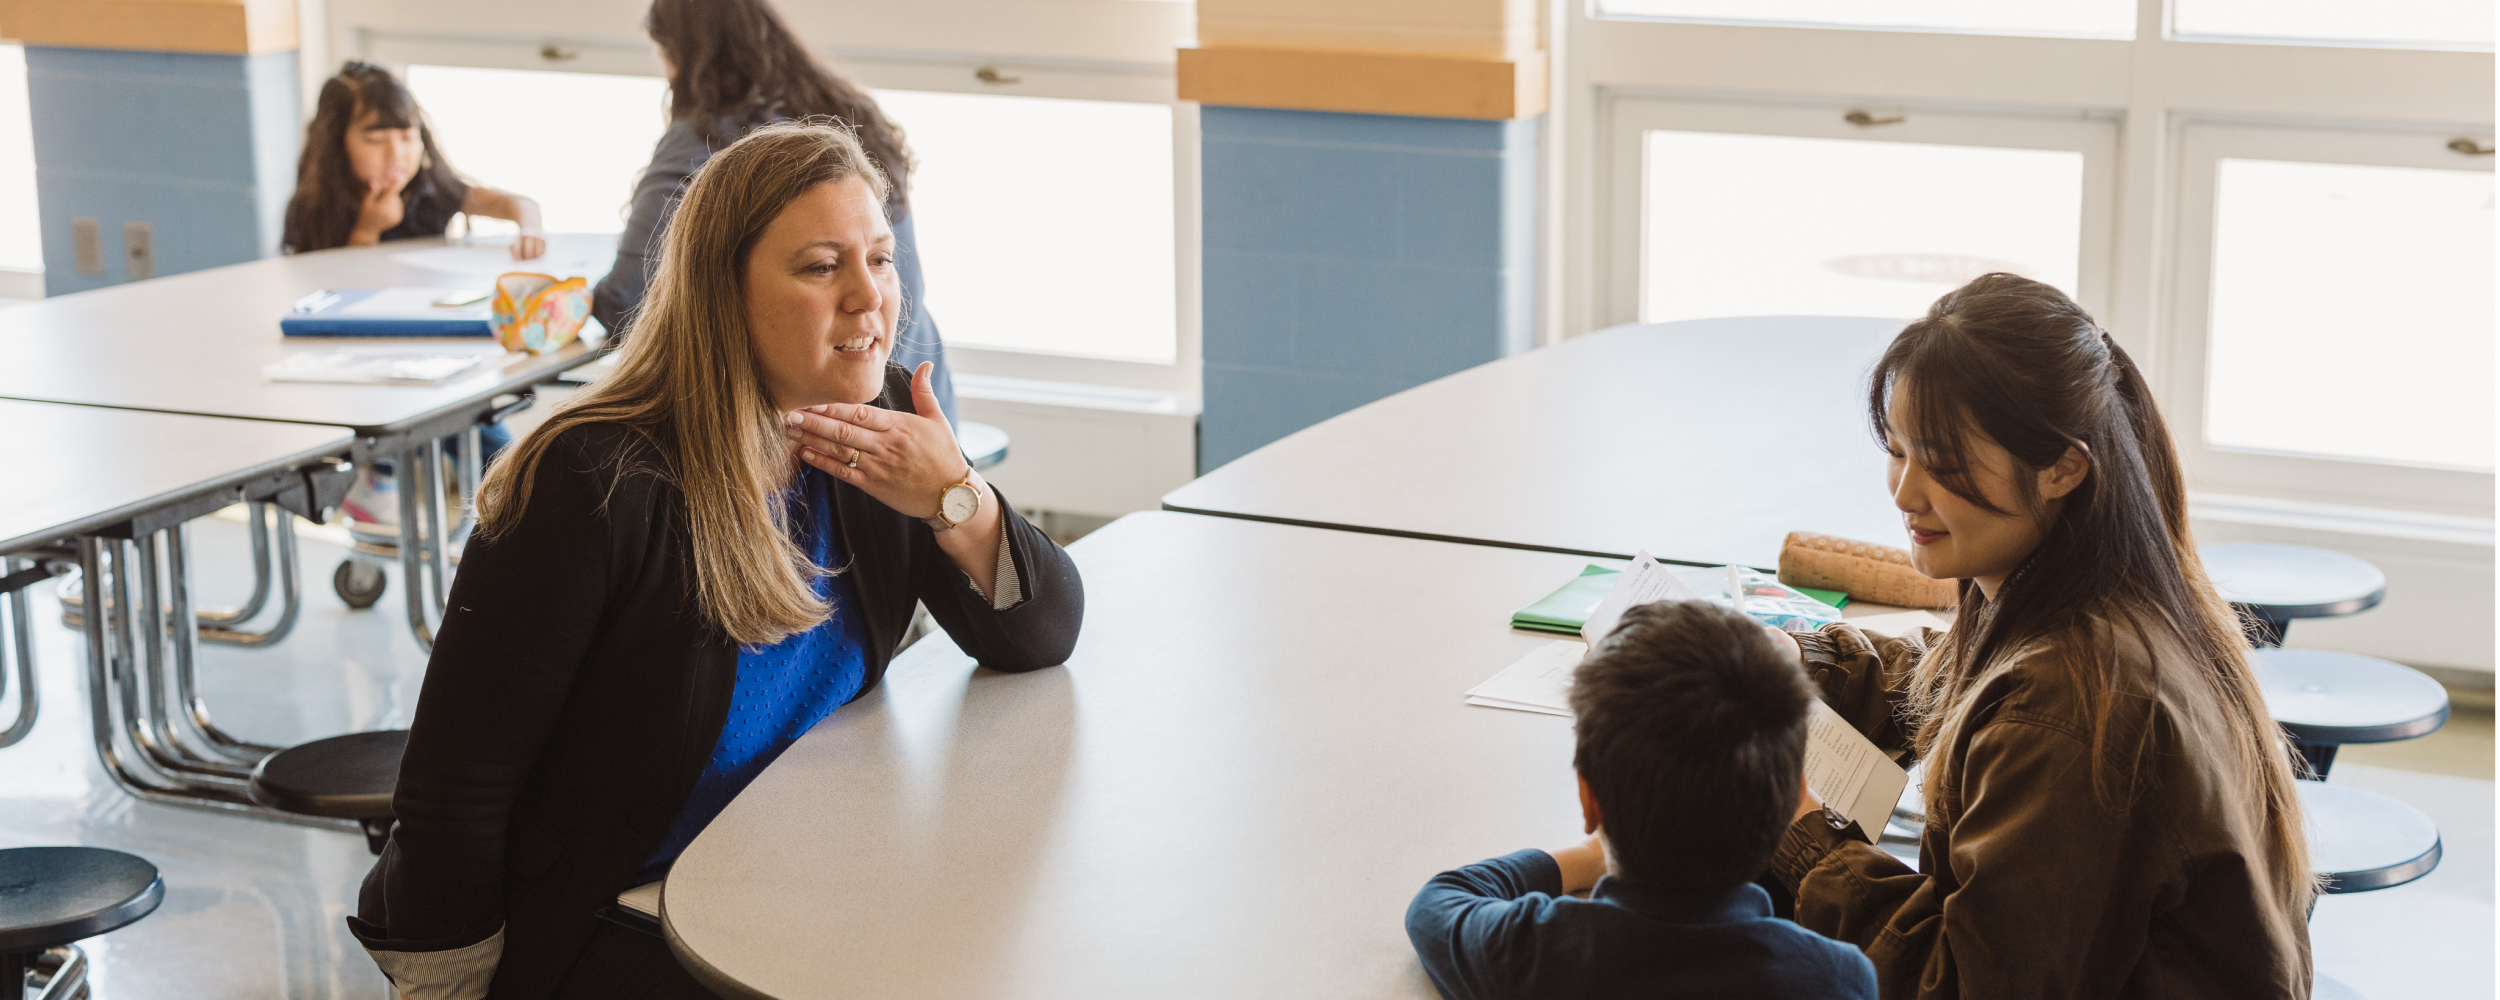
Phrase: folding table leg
(22, 648)
(192, 709)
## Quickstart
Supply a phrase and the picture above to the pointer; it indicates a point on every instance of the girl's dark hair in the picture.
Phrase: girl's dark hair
(735, 60)
(2014, 361)
(327, 193)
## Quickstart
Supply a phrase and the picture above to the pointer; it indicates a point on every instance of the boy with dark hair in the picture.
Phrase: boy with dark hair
(1691, 729)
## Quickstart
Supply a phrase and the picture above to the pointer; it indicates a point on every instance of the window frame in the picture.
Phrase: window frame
(878, 68)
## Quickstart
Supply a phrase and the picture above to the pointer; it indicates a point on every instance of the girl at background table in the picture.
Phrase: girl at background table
(685, 569)
(2110, 811)
(370, 173)
(733, 66)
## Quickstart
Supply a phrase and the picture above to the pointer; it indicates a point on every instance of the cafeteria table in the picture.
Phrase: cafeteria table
(1702, 441)
(197, 343)
(1258, 753)
(112, 489)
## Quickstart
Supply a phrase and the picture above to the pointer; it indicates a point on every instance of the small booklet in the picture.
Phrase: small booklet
(392, 312)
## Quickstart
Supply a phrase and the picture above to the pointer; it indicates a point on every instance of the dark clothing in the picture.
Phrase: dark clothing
(683, 149)
(427, 205)
(1502, 929)
(621, 964)
(576, 692)
(783, 689)
(2028, 885)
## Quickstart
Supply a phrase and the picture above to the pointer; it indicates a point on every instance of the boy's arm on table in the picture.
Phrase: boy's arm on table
(1475, 931)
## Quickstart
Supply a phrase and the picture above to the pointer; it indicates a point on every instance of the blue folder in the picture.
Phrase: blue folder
(388, 312)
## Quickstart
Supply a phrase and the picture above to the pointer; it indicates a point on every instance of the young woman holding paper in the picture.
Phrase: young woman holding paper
(686, 568)
(2109, 810)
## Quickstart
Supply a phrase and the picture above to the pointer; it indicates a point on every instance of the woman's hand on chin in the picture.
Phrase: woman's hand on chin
(905, 460)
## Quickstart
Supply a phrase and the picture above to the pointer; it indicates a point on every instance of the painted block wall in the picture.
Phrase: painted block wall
(1348, 257)
(200, 147)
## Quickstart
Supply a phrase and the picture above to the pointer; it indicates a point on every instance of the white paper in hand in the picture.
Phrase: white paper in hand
(1641, 583)
(1848, 772)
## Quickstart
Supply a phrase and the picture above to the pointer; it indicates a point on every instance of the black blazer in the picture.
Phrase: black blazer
(576, 691)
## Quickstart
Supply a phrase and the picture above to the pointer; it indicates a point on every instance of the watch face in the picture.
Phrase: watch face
(960, 503)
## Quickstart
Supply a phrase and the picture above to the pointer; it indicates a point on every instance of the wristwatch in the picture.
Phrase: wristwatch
(957, 504)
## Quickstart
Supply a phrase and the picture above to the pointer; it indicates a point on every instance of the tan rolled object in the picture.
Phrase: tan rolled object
(1878, 574)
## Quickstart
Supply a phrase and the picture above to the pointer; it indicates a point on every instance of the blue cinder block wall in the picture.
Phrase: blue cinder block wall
(200, 147)
(1349, 256)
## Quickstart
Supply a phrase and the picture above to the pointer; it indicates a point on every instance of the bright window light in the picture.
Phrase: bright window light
(1756, 225)
(1044, 224)
(2400, 22)
(574, 142)
(21, 233)
(2352, 313)
(2085, 18)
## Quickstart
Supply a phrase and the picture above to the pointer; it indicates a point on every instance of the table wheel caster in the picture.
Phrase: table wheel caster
(359, 584)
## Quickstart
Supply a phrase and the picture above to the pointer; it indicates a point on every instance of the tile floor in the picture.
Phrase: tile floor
(253, 909)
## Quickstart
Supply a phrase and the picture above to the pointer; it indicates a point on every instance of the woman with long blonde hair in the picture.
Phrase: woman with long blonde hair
(679, 574)
(2109, 809)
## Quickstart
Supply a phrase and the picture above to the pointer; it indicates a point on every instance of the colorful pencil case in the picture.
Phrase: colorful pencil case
(537, 313)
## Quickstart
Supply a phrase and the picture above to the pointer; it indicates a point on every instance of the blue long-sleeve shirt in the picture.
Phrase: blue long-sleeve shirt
(1502, 929)
(783, 689)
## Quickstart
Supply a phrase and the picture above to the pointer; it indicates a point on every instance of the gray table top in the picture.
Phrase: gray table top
(1257, 755)
(196, 342)
(67, 470)
(1705, 441)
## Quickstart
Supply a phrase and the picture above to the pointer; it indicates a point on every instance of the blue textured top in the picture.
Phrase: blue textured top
(1502, 928)
(783, 689)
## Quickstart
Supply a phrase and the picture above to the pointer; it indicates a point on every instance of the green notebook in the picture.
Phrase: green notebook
(1564, 611)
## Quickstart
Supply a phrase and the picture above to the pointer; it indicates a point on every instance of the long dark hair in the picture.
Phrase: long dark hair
(2017, 362)
(327, 193)
(735, 60)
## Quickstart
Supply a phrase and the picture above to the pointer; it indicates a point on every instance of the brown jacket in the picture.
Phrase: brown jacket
(2027, 886)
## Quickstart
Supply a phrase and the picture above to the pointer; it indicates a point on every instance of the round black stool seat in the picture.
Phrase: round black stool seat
(52, 896)
(2359, 841)
(2326, 697)
(347, 777)
(2278, 583)
(984, 445)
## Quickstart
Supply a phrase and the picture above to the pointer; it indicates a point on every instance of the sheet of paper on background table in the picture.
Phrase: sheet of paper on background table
(488, 261)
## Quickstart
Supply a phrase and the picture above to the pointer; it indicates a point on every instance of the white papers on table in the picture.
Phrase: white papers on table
(1847, 772)
(1540, 682)
(1898, 623)
(643, 899)
(410, 303)
(1642, 582)
(487, 261)
(380, 367)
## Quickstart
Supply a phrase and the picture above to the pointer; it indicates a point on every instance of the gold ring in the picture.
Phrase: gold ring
(854, 462)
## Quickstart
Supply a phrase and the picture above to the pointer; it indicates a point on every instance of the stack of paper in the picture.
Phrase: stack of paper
(1540, 682)
(376, 367)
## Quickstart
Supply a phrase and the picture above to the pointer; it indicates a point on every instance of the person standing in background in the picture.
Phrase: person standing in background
(732, 65)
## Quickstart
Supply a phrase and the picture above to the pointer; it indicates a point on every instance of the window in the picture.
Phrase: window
(1044, 224)
(1758, 208)
(2238, 216)
(1749, 225)
(2464, 23)
(2085, 18)
(21, 233)
(2342, 336)
(574, 142)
